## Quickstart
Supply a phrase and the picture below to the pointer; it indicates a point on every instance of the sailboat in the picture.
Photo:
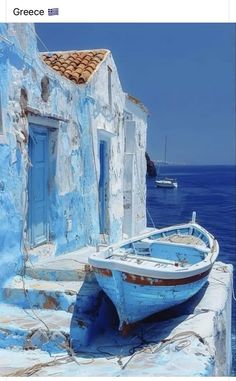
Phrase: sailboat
(166, 182)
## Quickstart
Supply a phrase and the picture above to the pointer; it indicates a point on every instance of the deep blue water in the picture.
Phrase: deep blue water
(211, 192)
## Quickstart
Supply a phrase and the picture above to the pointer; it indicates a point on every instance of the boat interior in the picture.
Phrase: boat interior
(178, 247)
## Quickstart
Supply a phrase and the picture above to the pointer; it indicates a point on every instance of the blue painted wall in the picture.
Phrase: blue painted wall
(79, 116)
(11, 189)
(72, 178)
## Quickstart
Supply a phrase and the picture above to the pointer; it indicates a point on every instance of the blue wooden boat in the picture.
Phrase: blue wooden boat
(155, 271)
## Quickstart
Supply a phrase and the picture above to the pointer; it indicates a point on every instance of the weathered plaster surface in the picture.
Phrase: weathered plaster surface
(135, 166)
(71, 167)
(82, 115)
(107, 122)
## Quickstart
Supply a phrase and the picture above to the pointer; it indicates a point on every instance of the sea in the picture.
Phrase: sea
(211, 192)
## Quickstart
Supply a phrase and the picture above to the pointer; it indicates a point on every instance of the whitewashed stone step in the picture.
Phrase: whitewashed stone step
(42, 294)
(203, 350)
(66, 267)
(42, 252)
(55, 274)
(32, 328)
(15, 360)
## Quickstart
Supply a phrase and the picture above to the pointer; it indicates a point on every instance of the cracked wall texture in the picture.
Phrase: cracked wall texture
(82, 115)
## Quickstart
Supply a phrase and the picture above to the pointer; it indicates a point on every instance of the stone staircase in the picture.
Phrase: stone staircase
(37, 308)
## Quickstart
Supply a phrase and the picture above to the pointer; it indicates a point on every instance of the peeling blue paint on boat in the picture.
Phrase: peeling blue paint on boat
(136, 302)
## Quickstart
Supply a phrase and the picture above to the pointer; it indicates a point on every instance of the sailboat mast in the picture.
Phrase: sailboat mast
(165, 147)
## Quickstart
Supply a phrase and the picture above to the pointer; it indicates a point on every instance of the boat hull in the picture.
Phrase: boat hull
(156, 270)
(137, 297)
(161, 184)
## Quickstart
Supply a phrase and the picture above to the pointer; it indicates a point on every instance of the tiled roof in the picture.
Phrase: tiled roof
(137, 102)
(78, 66)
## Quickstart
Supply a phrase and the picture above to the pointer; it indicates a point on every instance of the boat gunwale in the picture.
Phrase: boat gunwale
(151, 281)
(100, 261)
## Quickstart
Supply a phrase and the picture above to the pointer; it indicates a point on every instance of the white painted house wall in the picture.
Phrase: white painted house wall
(134, 167)
(108, 120)
(107, 124)
(82, 114)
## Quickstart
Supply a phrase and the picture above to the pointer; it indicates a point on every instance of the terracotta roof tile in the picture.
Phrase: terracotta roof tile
(96, 59)
(82, 55)
(66, 56)
(79, 70)
(92, 65)
(81, 80)
(78, 66)
(74, 55)
(67, 73)
(137, 102)
(82, 66)
(76, 76)
(70, 67)
(89, 69)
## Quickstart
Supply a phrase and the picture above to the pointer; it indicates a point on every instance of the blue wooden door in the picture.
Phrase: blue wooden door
(103, 185)
(38, 186)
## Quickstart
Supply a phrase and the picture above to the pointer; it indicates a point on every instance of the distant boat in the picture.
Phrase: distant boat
(166, 182)
(155, 271)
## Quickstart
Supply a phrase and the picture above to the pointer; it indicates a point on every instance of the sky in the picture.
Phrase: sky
(183, 73)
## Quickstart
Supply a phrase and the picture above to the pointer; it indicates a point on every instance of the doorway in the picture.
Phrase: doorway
(38, 227)
(103, 185)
